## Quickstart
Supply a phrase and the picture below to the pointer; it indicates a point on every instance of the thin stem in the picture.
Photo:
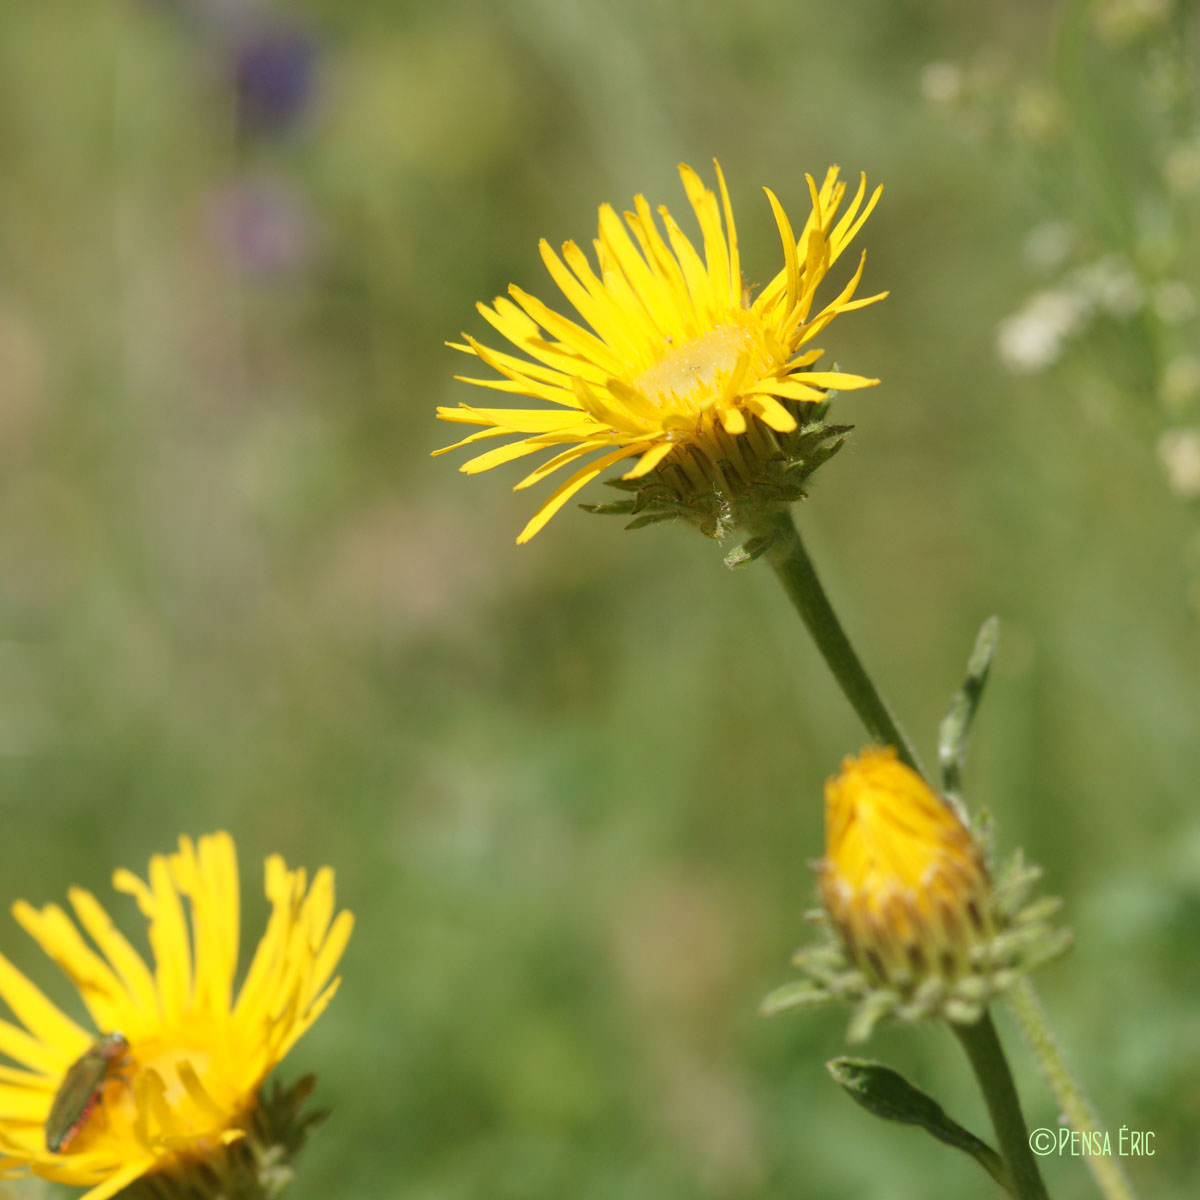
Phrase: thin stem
(787, 555)
(790, 560)
(1072, 1100)
(995, 1081)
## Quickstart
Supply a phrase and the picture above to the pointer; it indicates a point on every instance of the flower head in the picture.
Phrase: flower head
(676, 365)
(182, 1080)
(918, 926)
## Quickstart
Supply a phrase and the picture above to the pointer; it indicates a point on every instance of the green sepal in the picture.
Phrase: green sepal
(822, 453)
(1016, 937)
(651, 518)
(887, 1094)
(954, 731)
(615, 507)
(798, 994)
(874, 1006)
(719, 492)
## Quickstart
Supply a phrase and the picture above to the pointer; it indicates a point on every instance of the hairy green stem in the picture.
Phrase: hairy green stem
(1072, 1100)
(995, 1081)
(787, 555)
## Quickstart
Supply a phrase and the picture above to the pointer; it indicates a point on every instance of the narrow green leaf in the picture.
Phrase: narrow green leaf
(955, 728)
(615, 506)
(652, 518)
(801, 994)
(887, 1094)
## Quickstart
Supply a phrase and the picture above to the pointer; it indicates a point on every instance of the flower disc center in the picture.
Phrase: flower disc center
(689, 373)
(167, 1091)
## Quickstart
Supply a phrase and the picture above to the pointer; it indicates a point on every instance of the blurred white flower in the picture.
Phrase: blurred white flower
(1121, 21)
(1032, 339)
(1036, 115)
(942, 82)
(1110, 285)
(1047, 246)
(1179, 453)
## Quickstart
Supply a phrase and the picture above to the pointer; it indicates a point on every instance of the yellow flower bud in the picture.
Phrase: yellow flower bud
(903, 880)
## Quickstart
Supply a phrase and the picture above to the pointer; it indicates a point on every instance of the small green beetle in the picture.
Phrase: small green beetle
(80, 1090)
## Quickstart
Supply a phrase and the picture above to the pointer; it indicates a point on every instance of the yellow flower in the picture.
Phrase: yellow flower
(678, 366)
(903, 880)
(197, 1055)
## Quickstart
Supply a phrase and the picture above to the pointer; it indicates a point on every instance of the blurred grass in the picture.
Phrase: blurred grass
(572, 791)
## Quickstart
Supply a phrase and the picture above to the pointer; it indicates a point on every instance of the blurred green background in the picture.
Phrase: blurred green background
(572, 791)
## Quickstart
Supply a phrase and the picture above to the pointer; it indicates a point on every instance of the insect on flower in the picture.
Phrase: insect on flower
(81, 1088)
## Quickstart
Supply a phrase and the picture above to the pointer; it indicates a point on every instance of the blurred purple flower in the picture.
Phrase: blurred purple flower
(263, 226)
(272, 70)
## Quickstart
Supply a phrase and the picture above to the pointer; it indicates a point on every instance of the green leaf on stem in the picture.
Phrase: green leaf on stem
(887, 1094)
(955, 728)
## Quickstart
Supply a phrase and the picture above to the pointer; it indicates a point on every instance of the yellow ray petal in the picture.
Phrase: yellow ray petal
(280, 887)
(838, 380)
(298, 1028)
(703, 298)
(716, 252)
(571, 335)
(102, 992)
(332, 948)
(735, 266)
(566, 490)
(789, 388)
(20, 1078)
(842, 238)
(517, 420)
(733, 420)
(44, 1020)
(649, 460)
(791, 267)
(556, 463)
(25, 1104)
(51, 1060)
(169, 937)
(667, 296)
(596, 309)
(504, 454)
(518, 369)
(207, 875)
(120, 1180)
(128, 963)
(771, 411)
